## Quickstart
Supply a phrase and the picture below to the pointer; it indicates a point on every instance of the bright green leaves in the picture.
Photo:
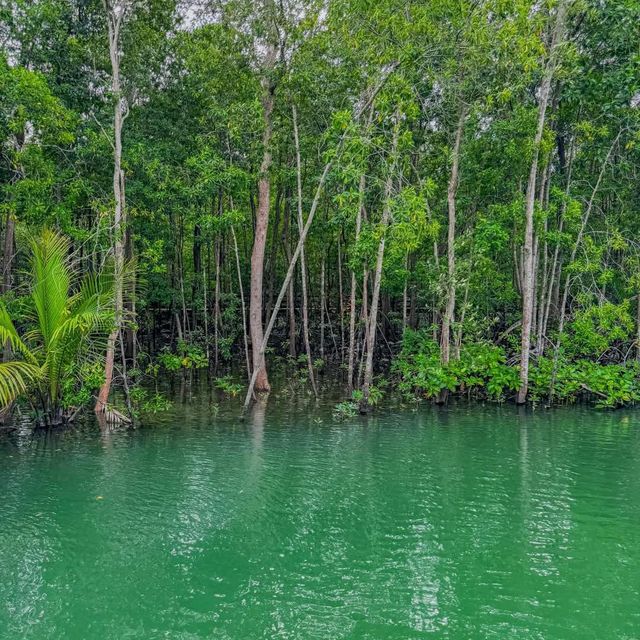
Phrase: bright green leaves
(481, 369)
(68, 311)
(29, 108)
(16, 377)
(599, 328)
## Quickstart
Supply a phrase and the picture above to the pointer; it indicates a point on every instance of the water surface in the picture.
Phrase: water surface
(461, 523)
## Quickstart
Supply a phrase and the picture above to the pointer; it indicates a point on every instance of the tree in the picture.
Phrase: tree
(70, 315)
(528, 261)
(116, 12)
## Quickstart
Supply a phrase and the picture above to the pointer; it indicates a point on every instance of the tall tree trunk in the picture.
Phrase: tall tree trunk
(114, 22)
(566, 166)
(216, 307)
(405, 292)
(291, 299)
(542, 286)
(574, 251)
(205, 305)
(7, 253)
(528, 266)
(242, 302)
(130, 331)
(303, 235)
(375, 297)
(452, 188)
(638, 327)
(303, 265)
(260, 238)
(322, 305)
(272, 259)
(198, 271)
(341, 299)
(352, 300)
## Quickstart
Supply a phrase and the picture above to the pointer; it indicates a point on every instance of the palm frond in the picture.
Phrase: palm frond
(67, 342)
(15, 378)
(82, 324)
(9, 334)
(67, 325)
(51, 281)
(95, 294)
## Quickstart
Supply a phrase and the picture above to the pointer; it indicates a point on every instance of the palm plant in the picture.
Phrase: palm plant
(69, 320)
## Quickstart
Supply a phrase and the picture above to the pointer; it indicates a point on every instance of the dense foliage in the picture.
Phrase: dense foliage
(442, 192)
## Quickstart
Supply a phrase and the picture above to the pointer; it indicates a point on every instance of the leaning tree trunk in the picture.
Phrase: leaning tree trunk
(303, 236)
(242, 302)
(528, 266)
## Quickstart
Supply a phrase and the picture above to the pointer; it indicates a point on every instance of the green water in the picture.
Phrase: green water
(460, 523)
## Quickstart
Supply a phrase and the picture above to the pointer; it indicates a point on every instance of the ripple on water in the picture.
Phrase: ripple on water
(458, 523)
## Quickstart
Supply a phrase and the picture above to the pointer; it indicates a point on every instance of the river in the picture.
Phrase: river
(461, 523)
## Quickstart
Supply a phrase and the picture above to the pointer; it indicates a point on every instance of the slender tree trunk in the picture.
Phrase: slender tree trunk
(341, 300)
(198, 270)
(457, 342)
(555, 266)
(130, 331)
(352, 300)
(205, 307)
(375, 297)
(303, 266)
(322, 306)
(7, 253)
(114, 21)
(291, 301)
(638, 327)
(574, 251)
(331, 333)
(447, 317)
(216, 308)
(242, 303)
(528, 266)
(405, 294)
(272, 260)
(542, 286)
(303, 236)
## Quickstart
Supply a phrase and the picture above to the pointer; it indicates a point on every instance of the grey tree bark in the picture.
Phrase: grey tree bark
(372, 324)
(528, 257)
(452, 188)
(115, 12)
